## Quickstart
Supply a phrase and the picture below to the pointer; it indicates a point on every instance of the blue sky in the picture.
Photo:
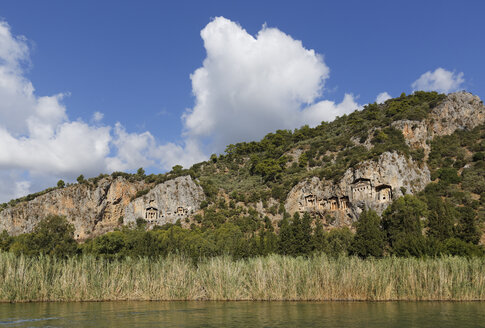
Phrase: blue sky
(132, 62)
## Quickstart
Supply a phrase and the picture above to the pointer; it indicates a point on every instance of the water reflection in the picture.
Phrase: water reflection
(244, 314)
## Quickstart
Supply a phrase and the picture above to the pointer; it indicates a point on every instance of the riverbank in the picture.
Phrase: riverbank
(275, 277)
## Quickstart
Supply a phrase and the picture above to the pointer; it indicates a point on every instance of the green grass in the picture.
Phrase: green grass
(264, 278)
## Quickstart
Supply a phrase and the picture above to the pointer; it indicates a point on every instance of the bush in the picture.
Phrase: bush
(457, 247)
(474, 179)
(338, 242)
(5, 241)
(140, 193)
(448, 175)
(80, 179)
(478, 156)
(52, 236)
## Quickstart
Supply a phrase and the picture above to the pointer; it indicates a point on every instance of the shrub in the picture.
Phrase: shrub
(140, 193)
(52, 236)
(80, 179)
(448, 175)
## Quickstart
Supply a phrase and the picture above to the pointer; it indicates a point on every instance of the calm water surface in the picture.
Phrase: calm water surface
(243, 314)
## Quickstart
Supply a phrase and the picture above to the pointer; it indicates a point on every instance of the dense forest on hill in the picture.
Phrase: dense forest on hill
(445, 218)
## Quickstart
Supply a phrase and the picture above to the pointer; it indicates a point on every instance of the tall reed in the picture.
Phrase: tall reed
(273, 277)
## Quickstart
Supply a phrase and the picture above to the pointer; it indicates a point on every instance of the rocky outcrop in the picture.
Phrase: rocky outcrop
(416, 134)
(371, 184)
(459, 111)
(94, 210)
(167, 202)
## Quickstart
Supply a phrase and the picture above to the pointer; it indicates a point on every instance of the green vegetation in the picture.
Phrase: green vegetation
(369, 239)
(402, 223)
(52, 236)
(400, 234)
(80, 179)
(274, 277)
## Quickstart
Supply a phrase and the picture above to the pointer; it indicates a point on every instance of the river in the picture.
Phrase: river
(244, 314)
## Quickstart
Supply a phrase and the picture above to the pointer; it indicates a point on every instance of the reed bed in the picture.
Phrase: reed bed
(273, 277)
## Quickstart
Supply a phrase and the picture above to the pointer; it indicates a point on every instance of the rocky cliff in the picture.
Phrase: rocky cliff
(374, 184)
(371, 184)
(96, 209)
(459, 111)
(175, 199)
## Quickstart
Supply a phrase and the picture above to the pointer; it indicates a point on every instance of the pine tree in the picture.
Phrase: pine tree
(319, 240)
(402, 223)
(440, 219)
(297, 243)
(285, 238)
(467, 229)
(305, 242)
(369, 239)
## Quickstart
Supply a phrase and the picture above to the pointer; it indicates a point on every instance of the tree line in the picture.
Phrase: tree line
(408, 227)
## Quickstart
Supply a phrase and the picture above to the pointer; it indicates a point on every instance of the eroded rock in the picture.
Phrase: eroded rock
(459, 111)
(371, 184)
(167, 202)
(94, 210)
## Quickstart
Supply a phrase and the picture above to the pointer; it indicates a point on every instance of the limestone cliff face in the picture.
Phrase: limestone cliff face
(94, 210)
(167, 202)
(371, 184)
(459, 111)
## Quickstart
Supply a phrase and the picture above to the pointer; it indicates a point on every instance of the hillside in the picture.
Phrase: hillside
(425, 144)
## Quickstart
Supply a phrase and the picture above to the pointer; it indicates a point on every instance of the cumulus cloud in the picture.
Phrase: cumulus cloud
(185, 154)
(440, 80)
(382, 97)
(35, 132)
(251, 85)
(13, 184)
(327, 110)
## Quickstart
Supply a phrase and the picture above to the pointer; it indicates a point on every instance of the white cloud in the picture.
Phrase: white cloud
(98, 116)
(10, 188)
(440, 80)
(382, 97)
(135, 150)
(36, 135)
(327, 110)
(185, 154)
(40, 144)
(21, 188)
(249, 86)
(13, 50)
(72, 148)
